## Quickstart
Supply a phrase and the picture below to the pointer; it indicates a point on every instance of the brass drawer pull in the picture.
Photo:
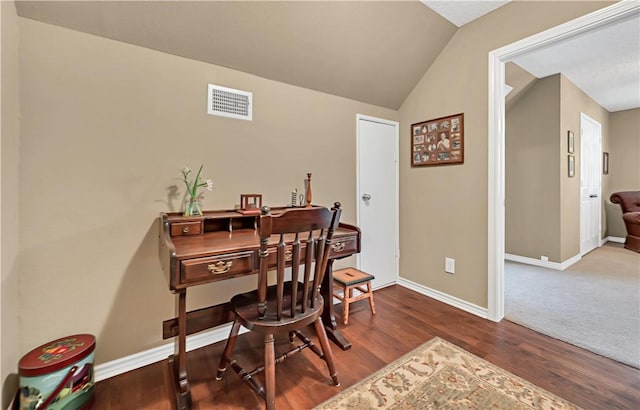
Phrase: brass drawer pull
(220, 267)
(288, 255)
(338, 246)
(185, 229)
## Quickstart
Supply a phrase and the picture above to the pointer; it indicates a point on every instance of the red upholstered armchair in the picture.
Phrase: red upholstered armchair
(630, 203)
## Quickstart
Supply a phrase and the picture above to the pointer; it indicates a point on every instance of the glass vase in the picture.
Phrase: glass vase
(192, 207)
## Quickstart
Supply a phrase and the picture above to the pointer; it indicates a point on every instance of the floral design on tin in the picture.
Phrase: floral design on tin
(57, 349)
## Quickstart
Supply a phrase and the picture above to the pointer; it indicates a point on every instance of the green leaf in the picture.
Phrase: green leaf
(196, 182)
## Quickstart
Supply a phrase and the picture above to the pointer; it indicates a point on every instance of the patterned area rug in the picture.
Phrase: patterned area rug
(440, 375)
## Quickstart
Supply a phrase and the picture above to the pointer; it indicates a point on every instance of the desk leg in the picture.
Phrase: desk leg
(328, 315)
(178, 361)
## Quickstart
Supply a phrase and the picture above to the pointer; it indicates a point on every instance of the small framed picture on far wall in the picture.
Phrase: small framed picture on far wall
(570, 142)
(572, 166)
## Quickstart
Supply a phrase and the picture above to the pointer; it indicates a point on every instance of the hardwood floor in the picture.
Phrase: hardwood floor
(404, 320)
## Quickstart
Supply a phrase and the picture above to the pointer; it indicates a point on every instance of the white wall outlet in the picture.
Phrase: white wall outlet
(449, 265)
(544, 258)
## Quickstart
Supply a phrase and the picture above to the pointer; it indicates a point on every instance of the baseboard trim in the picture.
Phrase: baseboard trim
(445, 298)
(616, 239)
(544, 264)
(125, 364)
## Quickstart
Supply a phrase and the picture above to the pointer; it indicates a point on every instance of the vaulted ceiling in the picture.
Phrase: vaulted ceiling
(369, 51)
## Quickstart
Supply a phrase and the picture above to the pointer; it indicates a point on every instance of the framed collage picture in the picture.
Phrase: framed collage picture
(438, 142)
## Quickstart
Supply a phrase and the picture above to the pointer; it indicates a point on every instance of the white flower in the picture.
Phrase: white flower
(196, 183)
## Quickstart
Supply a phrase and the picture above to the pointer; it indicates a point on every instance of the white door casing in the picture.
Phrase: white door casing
(496, 138)
(590, 183)
(377, 198)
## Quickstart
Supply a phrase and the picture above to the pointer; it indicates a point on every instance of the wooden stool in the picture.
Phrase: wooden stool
(347, 280)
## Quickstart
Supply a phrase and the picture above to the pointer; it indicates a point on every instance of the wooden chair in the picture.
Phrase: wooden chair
(302, 236)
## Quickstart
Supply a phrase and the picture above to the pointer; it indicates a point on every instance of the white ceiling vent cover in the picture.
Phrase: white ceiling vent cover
(228, 102)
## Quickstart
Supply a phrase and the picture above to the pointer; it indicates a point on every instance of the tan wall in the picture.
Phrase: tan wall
(532, 169)
(624, 164)
(520, 80)
(105, 128)
(573, 102)
(624, 150)
(537, 127)
(443, 210)
(9, 103)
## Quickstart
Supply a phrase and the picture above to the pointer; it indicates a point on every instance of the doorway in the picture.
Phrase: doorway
(377, 198)
(496, 138)
(590, 183)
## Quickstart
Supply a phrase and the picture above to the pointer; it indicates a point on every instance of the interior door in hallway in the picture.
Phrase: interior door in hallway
(378, 198)
(590, 188)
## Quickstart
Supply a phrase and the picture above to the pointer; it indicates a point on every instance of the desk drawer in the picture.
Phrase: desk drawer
(343, 246)
(186, 228)
(214, 268)
(288, 255)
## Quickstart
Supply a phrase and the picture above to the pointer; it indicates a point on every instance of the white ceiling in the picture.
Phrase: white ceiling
(604, 63)
(461, 12)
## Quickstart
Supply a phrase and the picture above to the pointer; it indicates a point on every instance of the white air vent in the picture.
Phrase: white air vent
(228, 102)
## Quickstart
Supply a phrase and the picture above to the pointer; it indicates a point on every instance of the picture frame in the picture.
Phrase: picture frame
(250, 204)
(572, 166)
(605, 163)
(439, 141)
(570, 142)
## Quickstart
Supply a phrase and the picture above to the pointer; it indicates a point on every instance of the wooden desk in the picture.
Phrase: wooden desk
(221, 245)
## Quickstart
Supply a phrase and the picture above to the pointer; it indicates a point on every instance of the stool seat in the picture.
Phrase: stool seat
(351, 276)
(349, 279)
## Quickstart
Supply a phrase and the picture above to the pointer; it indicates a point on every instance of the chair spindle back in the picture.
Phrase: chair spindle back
(303, 236)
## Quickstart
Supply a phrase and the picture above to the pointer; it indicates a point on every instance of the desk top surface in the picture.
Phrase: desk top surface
(186, 252)
(237, 240)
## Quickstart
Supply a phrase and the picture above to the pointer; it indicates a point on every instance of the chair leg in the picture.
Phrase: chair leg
(270, 371)
(228, 349)
(326, 348)
(371, 304)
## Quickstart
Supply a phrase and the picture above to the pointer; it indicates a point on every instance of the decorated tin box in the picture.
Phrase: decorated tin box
(58, 375)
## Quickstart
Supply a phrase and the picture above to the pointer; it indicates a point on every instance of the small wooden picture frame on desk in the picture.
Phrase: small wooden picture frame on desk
(250, 204)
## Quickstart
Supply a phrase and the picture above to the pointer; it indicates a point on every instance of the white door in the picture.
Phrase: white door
(378, 198)
(590, 190)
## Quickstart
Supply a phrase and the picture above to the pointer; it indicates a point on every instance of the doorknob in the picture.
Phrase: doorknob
(593, 196)
(366, 197)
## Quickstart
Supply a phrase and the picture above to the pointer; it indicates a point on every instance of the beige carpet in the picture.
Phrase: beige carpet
(594, 304)
(440, 375)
